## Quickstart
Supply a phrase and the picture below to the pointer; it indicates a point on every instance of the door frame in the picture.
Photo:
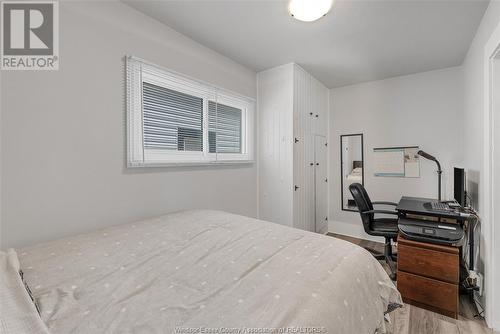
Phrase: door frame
(492, 50)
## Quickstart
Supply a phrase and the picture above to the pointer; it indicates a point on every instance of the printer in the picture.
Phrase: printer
(431, 231)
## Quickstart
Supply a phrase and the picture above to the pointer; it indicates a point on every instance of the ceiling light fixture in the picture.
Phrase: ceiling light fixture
(309, 10)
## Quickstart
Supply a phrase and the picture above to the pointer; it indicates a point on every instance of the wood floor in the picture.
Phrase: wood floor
(414, 320)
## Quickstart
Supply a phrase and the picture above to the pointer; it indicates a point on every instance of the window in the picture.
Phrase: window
(176, 120)
(172, 120)
(224, 128)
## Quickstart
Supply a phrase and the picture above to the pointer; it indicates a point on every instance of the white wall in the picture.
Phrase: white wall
(63, 132)
(474, 95)
(494, 269)
(474, 91)
(424, 110)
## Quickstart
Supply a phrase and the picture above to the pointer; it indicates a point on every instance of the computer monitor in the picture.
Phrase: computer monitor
(459, 189)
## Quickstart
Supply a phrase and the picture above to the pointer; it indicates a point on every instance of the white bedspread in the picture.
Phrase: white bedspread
(206, 269)
(356, 175)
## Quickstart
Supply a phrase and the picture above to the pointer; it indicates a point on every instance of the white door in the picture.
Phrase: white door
(321, 192)
(320, 107)
(303, 155)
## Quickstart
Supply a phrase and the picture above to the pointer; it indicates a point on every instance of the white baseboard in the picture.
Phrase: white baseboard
(351, 230)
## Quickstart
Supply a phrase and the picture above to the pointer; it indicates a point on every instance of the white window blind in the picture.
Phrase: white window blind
(224, 129)
(173, 119)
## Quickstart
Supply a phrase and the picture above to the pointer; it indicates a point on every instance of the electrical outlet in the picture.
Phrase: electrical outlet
(476, 279)
(480, 283)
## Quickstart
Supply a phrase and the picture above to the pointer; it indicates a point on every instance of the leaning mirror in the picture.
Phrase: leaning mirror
(351, 162)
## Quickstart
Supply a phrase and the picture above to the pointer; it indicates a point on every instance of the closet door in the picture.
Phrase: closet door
(303, 167)
(319, 106)
(321, 191)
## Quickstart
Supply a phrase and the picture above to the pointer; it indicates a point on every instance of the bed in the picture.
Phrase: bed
(356, 175)
(206, 270)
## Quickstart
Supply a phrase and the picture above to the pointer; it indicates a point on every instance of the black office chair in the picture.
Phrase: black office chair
(383, 227)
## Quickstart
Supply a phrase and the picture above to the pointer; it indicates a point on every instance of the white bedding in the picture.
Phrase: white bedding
(356, 175)
(18, 314)
(207, 269)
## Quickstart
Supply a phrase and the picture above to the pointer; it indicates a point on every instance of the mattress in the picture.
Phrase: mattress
(356, 175)
(210, 271)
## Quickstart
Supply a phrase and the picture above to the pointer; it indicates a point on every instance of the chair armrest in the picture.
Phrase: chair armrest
(385, 203)
(385, 212)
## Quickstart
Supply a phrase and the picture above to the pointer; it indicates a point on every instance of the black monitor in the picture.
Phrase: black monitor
(459, 189)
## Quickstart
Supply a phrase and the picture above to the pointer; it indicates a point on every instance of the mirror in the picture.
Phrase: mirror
(351, 165)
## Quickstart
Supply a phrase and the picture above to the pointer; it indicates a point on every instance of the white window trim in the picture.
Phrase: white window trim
(223, 98)
(138, 71)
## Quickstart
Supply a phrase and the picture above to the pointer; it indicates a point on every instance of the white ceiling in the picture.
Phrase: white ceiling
(357, 41)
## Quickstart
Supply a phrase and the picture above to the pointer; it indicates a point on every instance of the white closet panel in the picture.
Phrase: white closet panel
(275, 144)
(302, 158)
(320, 181)
(320, 107)
(298, 152)
(304, 108)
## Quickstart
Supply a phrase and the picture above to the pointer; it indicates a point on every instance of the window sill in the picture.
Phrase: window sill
(189, 164)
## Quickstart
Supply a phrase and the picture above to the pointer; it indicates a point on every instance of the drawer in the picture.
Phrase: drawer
(430, 263)
(438, 296)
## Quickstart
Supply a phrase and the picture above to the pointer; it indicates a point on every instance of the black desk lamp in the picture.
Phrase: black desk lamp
(439, 171)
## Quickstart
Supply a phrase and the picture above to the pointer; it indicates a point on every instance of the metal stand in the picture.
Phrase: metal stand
(440, 172)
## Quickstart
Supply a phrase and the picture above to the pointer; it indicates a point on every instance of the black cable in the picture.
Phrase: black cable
(480, 312)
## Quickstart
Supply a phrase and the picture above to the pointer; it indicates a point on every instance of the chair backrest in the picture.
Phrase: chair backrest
(364, 203)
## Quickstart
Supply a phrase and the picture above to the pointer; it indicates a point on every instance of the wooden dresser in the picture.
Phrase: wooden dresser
(428, 275)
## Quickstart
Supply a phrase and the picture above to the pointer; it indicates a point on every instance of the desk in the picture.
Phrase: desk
(419, 206)
(428, 274)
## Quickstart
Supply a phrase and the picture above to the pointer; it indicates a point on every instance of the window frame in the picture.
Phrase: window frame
(138, 71)
(227, 100)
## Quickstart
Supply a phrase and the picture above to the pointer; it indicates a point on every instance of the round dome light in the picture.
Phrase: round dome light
(309, 10)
